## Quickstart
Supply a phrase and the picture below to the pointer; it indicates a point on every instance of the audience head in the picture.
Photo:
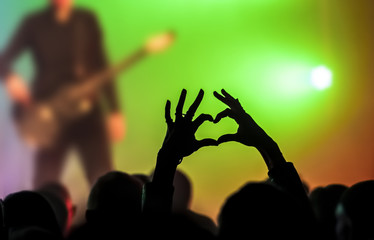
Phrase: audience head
(355, 212)
(59, 198)
(182, 192)
(143, 178)
(306, 186)
(2, 223)
(260, 211)
(33, 233)
(115, 199)
(324, 201)
(29, 210)
(183, 226)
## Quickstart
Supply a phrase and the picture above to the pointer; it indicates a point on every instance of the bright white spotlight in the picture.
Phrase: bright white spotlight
(321, 77)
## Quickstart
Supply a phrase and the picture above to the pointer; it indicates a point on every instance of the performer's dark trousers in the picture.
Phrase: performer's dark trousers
(87, 135)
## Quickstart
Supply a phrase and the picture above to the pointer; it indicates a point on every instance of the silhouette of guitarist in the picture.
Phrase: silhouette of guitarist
(66, 44)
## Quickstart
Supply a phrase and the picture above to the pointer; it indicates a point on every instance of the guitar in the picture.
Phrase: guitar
(41, 123)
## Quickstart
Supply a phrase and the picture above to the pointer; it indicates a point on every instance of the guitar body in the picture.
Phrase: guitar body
(41, 124)
(37, 125)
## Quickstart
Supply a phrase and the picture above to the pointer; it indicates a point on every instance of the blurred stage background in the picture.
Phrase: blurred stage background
(261, 51)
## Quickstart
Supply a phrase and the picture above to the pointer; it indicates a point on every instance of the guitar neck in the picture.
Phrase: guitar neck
(126, 63)
(94, 83)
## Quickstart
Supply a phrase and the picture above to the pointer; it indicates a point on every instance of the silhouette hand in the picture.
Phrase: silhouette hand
(180, 138)
(249, 132)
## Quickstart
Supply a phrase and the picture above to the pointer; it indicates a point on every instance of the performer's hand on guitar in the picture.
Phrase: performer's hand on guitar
(116, 126)
(17, 89)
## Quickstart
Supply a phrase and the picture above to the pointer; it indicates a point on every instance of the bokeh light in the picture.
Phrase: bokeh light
(321, 77)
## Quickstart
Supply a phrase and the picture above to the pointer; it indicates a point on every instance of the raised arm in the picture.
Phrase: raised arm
(179, 142)
(115, 120)
(251, 134)
(100, 61)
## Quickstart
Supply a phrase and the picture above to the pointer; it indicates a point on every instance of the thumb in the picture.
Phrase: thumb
(227, 138)
(206, 142)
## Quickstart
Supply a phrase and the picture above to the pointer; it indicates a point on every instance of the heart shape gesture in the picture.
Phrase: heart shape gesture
(180, 140)
(249, 132)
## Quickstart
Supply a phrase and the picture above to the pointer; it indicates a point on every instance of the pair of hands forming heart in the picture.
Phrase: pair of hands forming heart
(180, 138)
(180, 142)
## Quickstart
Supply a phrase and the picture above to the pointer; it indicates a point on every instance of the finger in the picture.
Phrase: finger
(201, 119)
(221, 98)
(234, 103)
(227, 138)
(168, 118)
(179, 109)
(227, 95)
(225, 113)
(191, 112)
(206, 142)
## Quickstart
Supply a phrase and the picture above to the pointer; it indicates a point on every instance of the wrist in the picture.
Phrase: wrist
(265, 142)
(167, 158)
(271, 152)
(170, 151)
(166, 166)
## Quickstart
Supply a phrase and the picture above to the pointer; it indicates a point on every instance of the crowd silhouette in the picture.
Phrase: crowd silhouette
(123, 206)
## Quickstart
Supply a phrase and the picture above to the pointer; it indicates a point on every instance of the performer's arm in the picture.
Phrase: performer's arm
(100, 62)
(14, 84)
(116, 125)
